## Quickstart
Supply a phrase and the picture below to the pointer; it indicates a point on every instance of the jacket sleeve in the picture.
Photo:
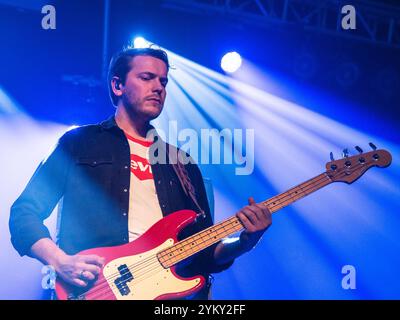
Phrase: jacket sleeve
(205, 259)
(39, 199)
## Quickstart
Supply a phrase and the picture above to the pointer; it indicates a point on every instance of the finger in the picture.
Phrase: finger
(264, 208)
(266, 216)
(251, 214)
(79, 282)
(266, 213)
(257, 217)
(260, 209)
(245, 221)
(86, 275)
(262, 212)
(256, 208)
(93, 259)
(94, 269)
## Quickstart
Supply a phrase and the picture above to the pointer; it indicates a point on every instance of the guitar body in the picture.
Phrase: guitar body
(133, 272)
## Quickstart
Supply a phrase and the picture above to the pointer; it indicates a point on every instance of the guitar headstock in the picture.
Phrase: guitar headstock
(351, 168)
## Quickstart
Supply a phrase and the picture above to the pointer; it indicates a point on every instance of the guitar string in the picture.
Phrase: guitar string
(313, 184)
(293, 193)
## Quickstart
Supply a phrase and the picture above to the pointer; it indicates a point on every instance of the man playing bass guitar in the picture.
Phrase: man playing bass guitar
(111, 191)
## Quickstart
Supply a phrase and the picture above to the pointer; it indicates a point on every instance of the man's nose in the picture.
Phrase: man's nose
(158, 87)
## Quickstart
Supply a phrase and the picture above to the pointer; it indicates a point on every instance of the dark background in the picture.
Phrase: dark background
(58, 74)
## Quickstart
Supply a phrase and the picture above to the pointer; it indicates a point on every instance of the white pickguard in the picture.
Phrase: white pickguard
(150, 278)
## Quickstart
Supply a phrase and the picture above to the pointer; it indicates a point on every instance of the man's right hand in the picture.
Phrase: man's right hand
(78, 269)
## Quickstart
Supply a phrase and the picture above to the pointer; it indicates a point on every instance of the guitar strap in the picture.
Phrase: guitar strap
(189, 190)
(183, 176)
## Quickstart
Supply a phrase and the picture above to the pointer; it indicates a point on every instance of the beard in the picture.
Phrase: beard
(146, 110)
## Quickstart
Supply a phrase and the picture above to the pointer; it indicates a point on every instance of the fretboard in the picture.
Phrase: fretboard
(199, 241)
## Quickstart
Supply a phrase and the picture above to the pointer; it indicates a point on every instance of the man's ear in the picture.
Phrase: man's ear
(116, 86)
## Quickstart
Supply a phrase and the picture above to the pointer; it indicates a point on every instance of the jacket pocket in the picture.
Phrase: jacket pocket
(98, 170)
(95, 161)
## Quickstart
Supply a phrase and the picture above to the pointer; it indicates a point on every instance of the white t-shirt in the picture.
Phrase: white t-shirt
(144, 208)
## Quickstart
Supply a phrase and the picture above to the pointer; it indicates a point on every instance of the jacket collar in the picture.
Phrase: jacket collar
(109, 123)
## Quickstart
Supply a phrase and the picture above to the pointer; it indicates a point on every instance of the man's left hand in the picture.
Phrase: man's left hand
(256, 219)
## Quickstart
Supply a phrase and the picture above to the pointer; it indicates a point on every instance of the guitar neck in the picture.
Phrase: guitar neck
(199, 241)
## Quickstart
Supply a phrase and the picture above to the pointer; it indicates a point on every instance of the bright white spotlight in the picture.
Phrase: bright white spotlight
(140, 42)
(231, 61)
(72, 127)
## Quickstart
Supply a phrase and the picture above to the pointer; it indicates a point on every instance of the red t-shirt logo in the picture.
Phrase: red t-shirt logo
(141, 167)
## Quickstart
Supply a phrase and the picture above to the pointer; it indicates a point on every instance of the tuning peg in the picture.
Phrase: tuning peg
(345, 153)
(331, 155)
(359, 149)
(372, 146)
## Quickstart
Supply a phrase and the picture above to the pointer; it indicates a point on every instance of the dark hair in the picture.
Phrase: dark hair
(120, 64)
